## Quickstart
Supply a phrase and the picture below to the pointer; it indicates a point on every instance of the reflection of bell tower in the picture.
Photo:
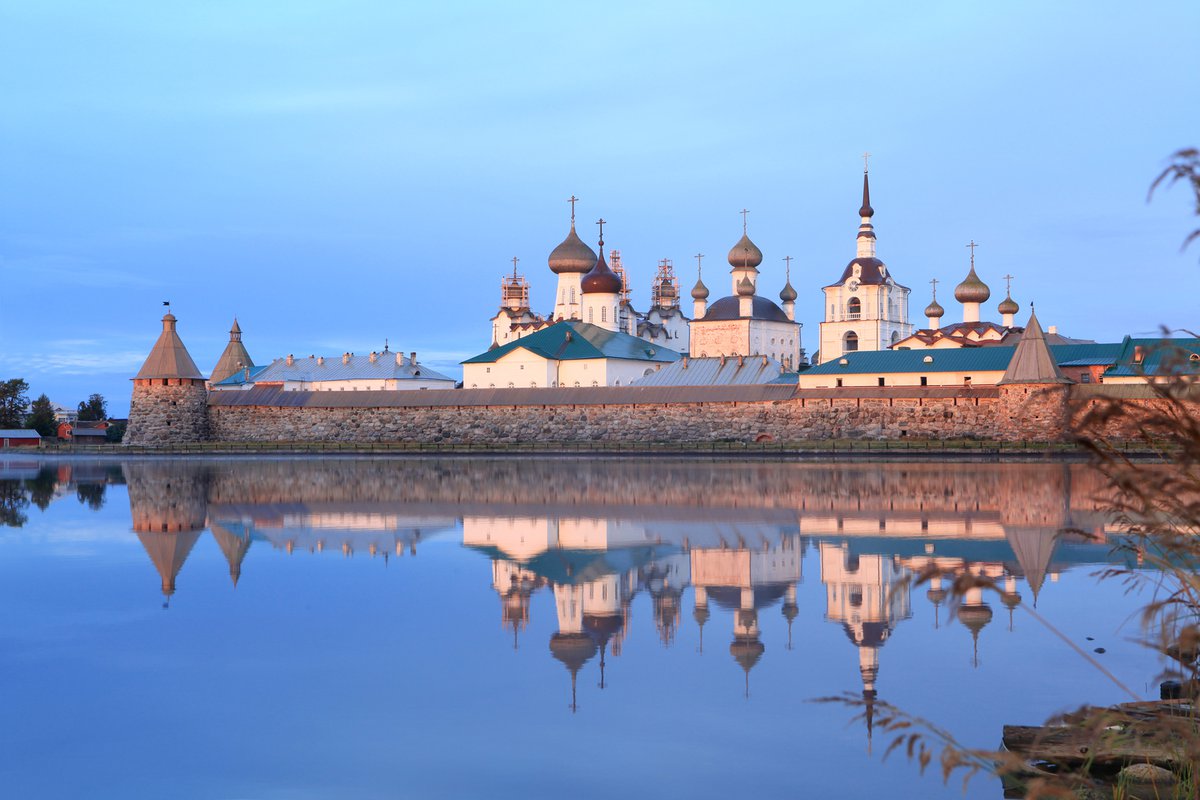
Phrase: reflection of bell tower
(701, 613)
(169, 505)
(515, 585)
(859, 594)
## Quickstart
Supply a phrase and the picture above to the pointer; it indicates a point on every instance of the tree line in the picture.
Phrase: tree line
(17, 411)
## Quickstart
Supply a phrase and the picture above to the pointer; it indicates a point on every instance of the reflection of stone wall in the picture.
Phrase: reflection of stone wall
(1018, 493)
(172, 414)
(967, 417)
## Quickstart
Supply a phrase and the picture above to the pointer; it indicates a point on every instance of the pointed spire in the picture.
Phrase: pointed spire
(234, 358)
(1032, 361)
(866, 210)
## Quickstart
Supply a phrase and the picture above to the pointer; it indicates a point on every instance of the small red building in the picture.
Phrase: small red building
(19, 437)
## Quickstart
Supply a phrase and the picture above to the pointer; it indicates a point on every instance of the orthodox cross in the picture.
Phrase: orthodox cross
(1008, 284)
(515, 260)
(699, 259)
(934, 284)
(573, 201)
(866, 157)
(788, 259)
(973, 245)
(601, 222)
(743, 212)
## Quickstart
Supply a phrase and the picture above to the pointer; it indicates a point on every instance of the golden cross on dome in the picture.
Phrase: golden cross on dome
(573, 201)
(743, 212)
(866, 158)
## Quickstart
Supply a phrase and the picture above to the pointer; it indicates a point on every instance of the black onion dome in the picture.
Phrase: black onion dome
(745, 254)
(699, 291)
(866, 210)
(1008, 306)
(601, 279)
(972, 290)
(572, 255)
(788, 293)
(935, 310)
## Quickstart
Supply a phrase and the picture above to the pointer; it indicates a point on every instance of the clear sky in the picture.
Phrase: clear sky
(340, 173)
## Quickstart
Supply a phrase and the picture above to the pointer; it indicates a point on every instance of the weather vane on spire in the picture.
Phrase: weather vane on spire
(866, 158)
(743, 212)
(973, 245)
(573, 201)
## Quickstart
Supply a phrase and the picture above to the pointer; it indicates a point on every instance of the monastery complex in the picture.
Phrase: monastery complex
(595, 368)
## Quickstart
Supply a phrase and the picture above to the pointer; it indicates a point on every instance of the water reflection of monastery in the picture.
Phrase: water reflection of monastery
(595, 535)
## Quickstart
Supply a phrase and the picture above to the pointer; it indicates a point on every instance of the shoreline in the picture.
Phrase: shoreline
(968, 450)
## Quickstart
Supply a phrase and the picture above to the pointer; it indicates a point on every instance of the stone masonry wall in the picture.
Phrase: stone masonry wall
(790, 420)
(172, 414)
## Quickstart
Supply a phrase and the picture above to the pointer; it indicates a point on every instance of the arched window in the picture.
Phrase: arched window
(854, 308)
(895, 336)
(850, 342)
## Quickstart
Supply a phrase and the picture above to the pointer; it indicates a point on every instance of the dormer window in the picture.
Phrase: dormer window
(858, 270)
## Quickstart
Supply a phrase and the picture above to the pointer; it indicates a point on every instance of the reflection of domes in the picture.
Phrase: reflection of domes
(602, 627)
(1010, 599)
(790, 611)
(699, 291)
(874, 634)
(936, 596)
(746, 651)
(745, 288)
(975, 617)
(572, 255)
(572, 649)
(601, 279)
(701, 615)
(934, 310)
(972, 290)
(745, 254)
(788, 295)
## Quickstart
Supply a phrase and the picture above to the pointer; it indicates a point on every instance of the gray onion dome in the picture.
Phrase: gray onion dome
(745, 254)
(935, 310)
(972, 290)
(699, 291)
(788, 294)
(572, 255)
(745, 288)
(1008, 306)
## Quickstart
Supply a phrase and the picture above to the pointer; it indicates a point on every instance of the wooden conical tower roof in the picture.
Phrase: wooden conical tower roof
(1032, 361)
(234, 358)
(169, 358)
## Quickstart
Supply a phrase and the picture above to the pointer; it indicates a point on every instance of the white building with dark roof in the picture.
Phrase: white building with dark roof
(865, 309)
(745, 323)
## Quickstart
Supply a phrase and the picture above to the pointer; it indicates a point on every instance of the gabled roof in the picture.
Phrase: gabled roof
(574, 340)
(710, 371)
(19, 433)
(169, 358)
(1032, 361)
(1159, 357)
(966, 359)
(386, 366)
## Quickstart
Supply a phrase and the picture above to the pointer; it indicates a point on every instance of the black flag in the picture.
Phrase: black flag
(166, 302)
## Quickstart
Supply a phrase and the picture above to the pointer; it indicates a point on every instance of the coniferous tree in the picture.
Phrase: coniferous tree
(41, 417)
(93, 409)
(13, 403)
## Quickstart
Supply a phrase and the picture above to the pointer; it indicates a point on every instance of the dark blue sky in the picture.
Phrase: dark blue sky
(340, 175)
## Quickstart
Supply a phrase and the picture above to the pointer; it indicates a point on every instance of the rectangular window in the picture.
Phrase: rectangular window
(839, 383)
(967, 380)
(881, 381)
(1085, 377)
(924, 381)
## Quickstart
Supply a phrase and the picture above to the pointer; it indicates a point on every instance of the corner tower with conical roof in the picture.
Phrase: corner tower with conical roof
(170, 401)
(865, 309)
(235, 357)
(1034, 393)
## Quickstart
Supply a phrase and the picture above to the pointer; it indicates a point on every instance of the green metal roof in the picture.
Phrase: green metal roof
(573, 340)
(1159, 357)
(966, 359)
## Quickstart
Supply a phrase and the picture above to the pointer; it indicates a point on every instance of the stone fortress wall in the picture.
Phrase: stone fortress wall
(987, 413)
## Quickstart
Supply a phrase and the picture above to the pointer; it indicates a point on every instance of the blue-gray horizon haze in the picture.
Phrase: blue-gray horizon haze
(340, 176)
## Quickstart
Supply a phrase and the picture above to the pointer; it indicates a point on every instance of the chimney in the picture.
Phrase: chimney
(320, 361)
(1052, 329)
(373, 357)
(685, 359)
(345, 358)
(412, 358)
(741, 361)
(764, 361)
(399, 359)
(291, 359)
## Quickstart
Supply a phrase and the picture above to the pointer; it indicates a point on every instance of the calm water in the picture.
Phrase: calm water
(289, 628)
